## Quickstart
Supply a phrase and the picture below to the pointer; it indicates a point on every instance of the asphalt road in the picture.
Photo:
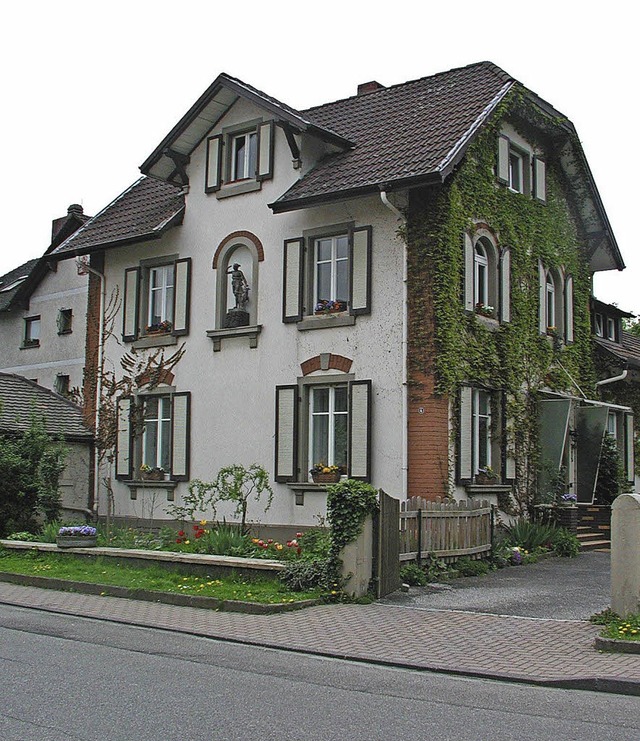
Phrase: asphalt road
(69, 679)
(556, 588)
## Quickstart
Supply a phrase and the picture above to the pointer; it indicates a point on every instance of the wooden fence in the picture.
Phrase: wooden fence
(445, 529)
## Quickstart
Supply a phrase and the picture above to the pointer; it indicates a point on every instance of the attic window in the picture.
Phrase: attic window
(611, 329)
(244, 153)
(520, 169)
(598, 325)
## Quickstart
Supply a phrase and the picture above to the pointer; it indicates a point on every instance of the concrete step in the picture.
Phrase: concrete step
(591, 540)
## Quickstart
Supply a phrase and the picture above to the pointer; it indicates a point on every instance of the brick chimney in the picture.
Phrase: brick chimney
(75, 209)
(369, 87)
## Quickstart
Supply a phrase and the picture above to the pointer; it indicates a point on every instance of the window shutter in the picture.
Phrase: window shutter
(180, 425)
(508, 444)
(542, 309)
(539, 180)
(503, 159)
(629, 448)
(265, 151)
(292, 280)
(568, 309)
(130, 304)
(213, 168)
(465, 449)
(360, 430)
(505, 285)
(286, 463)
(182, 272)
(469, 303)
(360, 270)
(124, 410)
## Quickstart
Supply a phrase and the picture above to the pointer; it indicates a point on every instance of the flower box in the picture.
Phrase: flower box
(152, 475)
(326, 478)
(76, 541)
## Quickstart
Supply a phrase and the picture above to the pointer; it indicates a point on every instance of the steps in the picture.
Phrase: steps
(594, 527)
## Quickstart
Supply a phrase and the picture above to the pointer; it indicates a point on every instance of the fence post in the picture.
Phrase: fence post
(419, 537)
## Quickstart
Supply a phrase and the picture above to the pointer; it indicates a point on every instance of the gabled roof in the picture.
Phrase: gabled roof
(210, 107)
(144, 211)
(626, 353)
(11, 282)
(20, 398)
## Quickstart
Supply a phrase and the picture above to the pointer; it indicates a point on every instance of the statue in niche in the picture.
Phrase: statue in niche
(238, 316)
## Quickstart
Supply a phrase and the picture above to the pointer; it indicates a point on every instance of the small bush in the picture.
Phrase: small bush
(413, 575)
(530, 536)
(565, 543)
(302, 575)
(605, 617)
(25, 536)
(468, 567)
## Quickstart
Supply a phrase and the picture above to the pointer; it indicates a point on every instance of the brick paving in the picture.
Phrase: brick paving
(551, 652)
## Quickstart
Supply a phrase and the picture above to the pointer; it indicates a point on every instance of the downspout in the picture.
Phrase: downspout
(405, 322)
(613, 379)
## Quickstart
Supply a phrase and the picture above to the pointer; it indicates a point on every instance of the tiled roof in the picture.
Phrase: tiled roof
(13, 280)
(627, 352)
(401, 133)
(144, 211)
(20, 398)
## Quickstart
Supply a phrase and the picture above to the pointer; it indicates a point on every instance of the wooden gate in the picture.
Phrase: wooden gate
(386, 545)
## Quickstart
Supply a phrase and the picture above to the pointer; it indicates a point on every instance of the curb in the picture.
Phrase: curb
(147, 595)
(617, 645)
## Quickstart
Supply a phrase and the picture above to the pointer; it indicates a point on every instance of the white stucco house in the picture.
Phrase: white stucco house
(331, 275)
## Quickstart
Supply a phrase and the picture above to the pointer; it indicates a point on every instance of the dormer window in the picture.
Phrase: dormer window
(244, 156)
(516, 171)
(611, 329)
(598, 325)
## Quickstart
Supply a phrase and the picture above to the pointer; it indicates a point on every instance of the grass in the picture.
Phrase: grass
(113, 572)
(614, 626)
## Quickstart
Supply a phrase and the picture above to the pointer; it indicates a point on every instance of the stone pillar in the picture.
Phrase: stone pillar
(357, 561)
(625, 554)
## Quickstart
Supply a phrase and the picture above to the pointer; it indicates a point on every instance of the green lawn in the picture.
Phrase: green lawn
(119, 573)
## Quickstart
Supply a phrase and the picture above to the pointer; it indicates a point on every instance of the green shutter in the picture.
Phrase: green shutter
(360, 430)
(130, 304)
(181, 295)
(360, 270)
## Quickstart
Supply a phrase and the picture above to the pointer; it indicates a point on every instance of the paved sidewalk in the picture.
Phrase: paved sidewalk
(550, 652)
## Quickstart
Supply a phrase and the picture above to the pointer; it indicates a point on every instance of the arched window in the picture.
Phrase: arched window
(487, 289)
(550, 293)
(481, 275)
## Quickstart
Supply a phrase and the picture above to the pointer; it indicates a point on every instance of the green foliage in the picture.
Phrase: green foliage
(604, 617)
(565, 543)
(223, 540)
(24, 536)
(413, 575)
(466, 566)
(611, 476)
(528, 535)
(625, 629)
(304, 574)
(235, 484)
(30, 468)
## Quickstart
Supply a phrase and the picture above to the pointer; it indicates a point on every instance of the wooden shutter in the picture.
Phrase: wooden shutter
(505, 285)
(542, 309)
(568, 309)
(508, 442)
(629, 448)
(265, 151)
(360, 430)
(469, 265)
(293, 264)
(180, 426)
(503, 159)
(124, 442)
(539, 180)
(286, 453)
(181, 294)
(360, 270)
(465, 436)
(130, 304)
(213, 168)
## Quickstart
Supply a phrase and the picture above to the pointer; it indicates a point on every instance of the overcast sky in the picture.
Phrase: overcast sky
(90, 88)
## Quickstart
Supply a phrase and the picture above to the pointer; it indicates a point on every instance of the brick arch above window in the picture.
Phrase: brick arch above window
(326, 361)
(235, 236)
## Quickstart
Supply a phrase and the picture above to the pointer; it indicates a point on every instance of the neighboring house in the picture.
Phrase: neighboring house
(43, 306)
(20, 400)
(396, 284)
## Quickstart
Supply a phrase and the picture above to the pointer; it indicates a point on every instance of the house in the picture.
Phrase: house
(396, 284)
(21, 400)
(43, 306)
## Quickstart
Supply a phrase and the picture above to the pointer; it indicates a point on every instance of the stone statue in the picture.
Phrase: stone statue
(239, 286)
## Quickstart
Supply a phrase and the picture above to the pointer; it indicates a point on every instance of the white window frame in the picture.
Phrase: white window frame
(165, 290)
(480, 266)
(481, 445)
(598, 325)
(517, 162)
(612, 425)
(332, 414)
(245, 169)
(337, 264)
(550, 301)
(611, 328)
(163, 446)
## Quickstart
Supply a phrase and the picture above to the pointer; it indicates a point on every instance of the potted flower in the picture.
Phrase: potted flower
(76, 536)
(159, 328)
(484, 309)
(567, 511)
(151, 474)
(486, 476)
(322, 474)
(325, 306)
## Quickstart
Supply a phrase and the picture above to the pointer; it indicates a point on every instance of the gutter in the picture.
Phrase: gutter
(613, 379)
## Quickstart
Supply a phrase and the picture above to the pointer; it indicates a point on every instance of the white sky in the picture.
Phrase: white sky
(90, 88)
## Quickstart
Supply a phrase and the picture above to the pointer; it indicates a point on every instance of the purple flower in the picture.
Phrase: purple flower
(85, 530)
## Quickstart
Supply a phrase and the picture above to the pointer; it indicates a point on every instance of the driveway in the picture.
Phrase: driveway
(556, 588)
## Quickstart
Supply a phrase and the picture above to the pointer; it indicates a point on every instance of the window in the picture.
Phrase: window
(556, 303)
(156, 298)
(32, 332)
(487, 284)
(598, 325)
(327, 272)
(482, 430)
(239, 158)
(519, 168)
(65, 321)
(61, 385)
(482, 435)
(550, 303)
(516, 171)
(611, 329)
(323, 419)
(153, 430)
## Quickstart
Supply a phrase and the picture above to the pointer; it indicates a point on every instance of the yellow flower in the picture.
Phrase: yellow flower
(186, 542)
(203, 522)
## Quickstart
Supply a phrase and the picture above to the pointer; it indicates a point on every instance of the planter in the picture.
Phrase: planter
(152, 475)
(325, 478)
(484, 480)
(76, 541)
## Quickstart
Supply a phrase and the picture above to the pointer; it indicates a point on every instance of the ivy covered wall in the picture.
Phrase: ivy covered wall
(455, 347)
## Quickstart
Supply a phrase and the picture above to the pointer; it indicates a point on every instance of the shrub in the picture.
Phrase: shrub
(565, 543)
(25, 536)
(302, 575)
(466, 566)
(530, 536)
(413, 575)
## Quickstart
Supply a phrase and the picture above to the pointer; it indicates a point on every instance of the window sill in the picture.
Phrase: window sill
(301, 488)
(65, 332)
(217, 335)
(480, 489)
(168, 486)
(29, 345)
(237, 188)
(157, 340)
(326, 321)
(491, 323)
